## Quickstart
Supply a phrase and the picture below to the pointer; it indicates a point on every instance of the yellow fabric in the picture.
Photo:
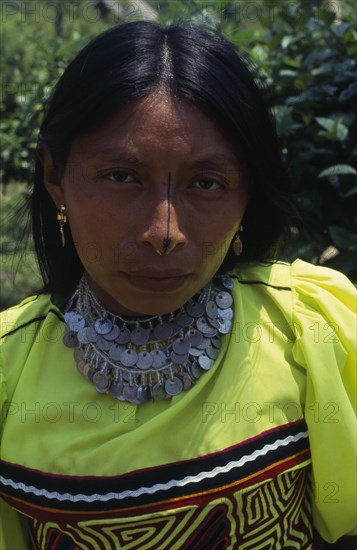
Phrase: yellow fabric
(290, 355)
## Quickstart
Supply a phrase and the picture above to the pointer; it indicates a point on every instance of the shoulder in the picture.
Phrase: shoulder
(32, 310)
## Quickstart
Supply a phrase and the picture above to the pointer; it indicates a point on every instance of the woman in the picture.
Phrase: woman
(212, 401)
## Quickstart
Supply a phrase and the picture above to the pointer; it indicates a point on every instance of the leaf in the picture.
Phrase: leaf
(327, 123)
(341, 237)
(348, 93)
(337, 170)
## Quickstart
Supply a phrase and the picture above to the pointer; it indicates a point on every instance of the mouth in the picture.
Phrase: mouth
(157, 281)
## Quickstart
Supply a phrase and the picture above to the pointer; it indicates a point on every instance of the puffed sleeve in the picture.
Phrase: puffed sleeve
(324, 306)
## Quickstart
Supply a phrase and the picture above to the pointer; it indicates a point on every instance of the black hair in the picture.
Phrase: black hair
(130, 62)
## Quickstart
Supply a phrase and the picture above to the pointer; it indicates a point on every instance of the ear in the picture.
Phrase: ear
(51, 179)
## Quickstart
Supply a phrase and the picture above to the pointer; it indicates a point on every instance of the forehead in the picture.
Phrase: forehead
(158, 122)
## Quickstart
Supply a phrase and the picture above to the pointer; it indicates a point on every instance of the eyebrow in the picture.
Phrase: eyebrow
(207, 161)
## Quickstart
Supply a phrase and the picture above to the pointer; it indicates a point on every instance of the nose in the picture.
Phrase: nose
(163, 230)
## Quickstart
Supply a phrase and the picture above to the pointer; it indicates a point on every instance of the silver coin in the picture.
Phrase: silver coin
(225, 313)
(212, 352)
(225, 326)
(213, 322)
(76, 322)
(130, 393)
(68, 316)
(195, 352)
(113, 334)
(103, 344)
(195, 337)
(173, 386)
(80, 366)
(175, 328)
(186, 380)
(195, 371)
(211, 309)
(70, 339)
(202, 325)
(145, 360)
(223, 299)
(115, 351)
(181, 345)
(139, 336)
(101, 382)
(103, 326)
(116, 389)
(91, 334)
(205, 342)
(86, 369)
(129, 357)
(178, 359)
(90, 373)
(78, 355)
(195, 309)
(158, 358)
(205, 362)
(216, 342)
(227, 282)
(124, 336)
(144, 394)
(82, 336)
(163, 331)
(183, 320)
(158, 392)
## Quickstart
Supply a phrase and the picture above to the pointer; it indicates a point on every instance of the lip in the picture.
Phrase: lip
(157, 281)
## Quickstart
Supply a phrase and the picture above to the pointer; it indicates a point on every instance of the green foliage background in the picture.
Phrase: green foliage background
(304, 54)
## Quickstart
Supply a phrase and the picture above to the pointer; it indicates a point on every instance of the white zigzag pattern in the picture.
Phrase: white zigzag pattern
(158, 486)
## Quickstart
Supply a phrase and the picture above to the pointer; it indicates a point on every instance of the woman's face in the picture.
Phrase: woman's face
(159, 169)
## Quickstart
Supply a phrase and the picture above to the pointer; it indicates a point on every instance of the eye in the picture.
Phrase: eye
(207, 184)
(120, 176)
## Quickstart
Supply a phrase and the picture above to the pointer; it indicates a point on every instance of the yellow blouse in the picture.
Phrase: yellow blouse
(232, 458)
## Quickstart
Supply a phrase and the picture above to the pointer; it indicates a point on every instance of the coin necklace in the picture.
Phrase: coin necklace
(153, 358)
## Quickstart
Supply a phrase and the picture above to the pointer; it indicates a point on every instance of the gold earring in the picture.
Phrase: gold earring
(238, 245)
(62, 219)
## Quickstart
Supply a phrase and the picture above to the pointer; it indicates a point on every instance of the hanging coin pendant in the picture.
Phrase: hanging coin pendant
(68, 316)
(144, 394)
(124, 336)
(214, 323)
(80, 366)
(212, 352)
(101, 382)
(116, 389)
(82, 336)
(76, 322)
(216, 342)
(103, 326)
(130, 393)
(205, 343)
(78, 355)
(195, 371)
(139, 336)
(173, 386)
(115, 351)
(145, 360)
(195, 337)
(186, 380)
(183, 320)
(178, 359)
(158, 392)
(163, 331)
(103, 344)
(128, 358)
(195, 352)
(70, 339)
(225, 326)
(91, 334)
(227, 282)
(205, 362)
(113, 334)
(195, 309)
(158, 358)
(223, 299)
(225, 313)
(211, 309)
(181, 345)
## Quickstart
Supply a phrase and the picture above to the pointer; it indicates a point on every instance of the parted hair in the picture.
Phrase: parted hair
(129, 62)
